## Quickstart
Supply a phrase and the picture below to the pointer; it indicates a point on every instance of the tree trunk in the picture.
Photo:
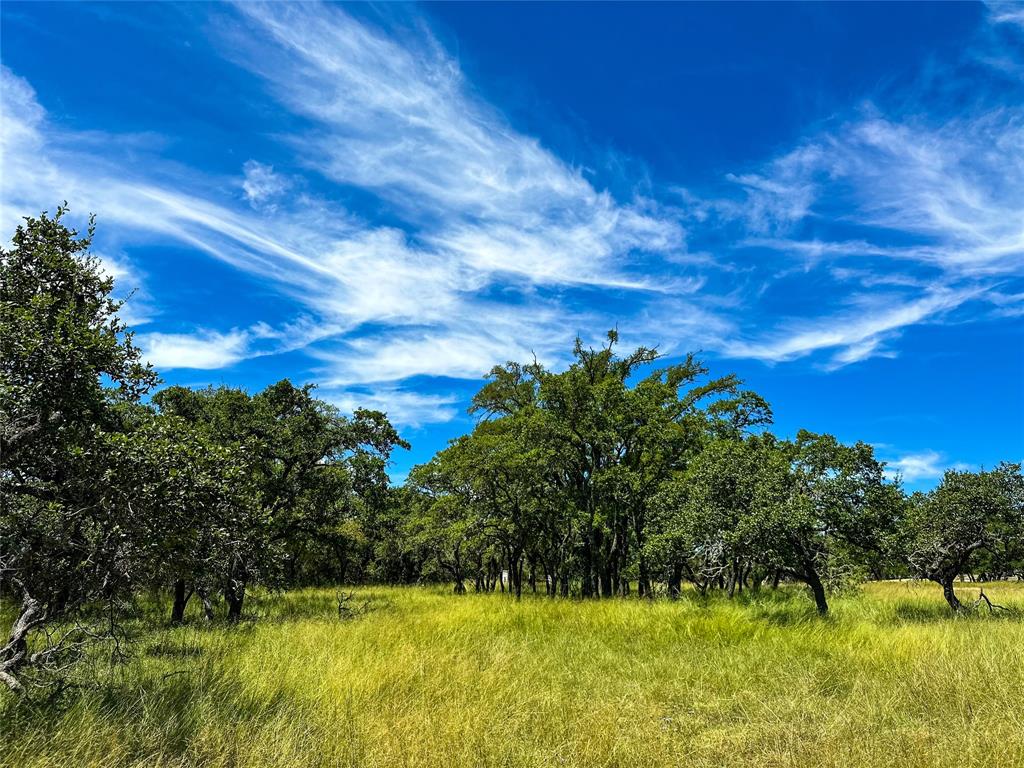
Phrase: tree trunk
(588, 583)
(675, 581)
(14, 654)
(515, 573)
(643, 586)
(181, 597)
(234, 595)
(605, 583)
(204, 595)
(946, 580)
(343, 569)
(460, 586)
(818, 590)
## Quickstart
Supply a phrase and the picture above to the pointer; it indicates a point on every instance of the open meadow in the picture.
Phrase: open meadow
(419, 677)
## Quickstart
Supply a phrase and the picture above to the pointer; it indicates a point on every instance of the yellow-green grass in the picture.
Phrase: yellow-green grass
(426, 678)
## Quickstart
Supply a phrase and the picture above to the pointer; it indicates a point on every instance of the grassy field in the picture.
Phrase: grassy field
(425, 678)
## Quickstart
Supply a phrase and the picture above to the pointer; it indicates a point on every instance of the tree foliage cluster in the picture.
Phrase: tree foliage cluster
(619, 473)
(202, 492)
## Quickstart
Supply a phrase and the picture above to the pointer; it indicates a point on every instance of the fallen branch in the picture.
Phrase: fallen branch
(992, 607)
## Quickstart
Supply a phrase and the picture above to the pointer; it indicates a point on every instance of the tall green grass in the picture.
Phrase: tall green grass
(425, 678)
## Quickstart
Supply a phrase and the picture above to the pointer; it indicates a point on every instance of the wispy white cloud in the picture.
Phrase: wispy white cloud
(205, 350)
(1007, 304)
(958, 187)
(138, 306)
(496, 247)
(1006, 13)
(780, 195)
(403, 407)
(856, 335)
(926, 465)
(23, 164)
(490, 214)
(396, 116)
(449, 352)
(922, 465)
(261, 186)
(942, 212)
(209, 349)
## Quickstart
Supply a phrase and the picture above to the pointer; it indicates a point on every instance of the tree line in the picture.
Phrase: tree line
(619, 473)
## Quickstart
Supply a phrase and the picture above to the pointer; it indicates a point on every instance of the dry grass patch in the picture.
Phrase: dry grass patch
(424, 678)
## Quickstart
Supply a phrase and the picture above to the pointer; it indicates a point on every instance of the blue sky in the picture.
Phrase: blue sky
(388, 200)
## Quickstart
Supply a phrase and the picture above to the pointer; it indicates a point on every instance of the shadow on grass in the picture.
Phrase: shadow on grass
(794, 616)
(930, 613)
(792, 605)
(918, 612)
(159, 719)
(151, 614)
(320, 604)
(169, 649)
(784, 607)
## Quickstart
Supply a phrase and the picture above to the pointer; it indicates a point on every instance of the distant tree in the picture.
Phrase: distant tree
(391, 555)
(496, 477)
(614, 438)
(704, 514)
(192, 508)
(442, 522)
(66, 363)
(796, 509)
(818, 499)
(969, 515)
(310, 469)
